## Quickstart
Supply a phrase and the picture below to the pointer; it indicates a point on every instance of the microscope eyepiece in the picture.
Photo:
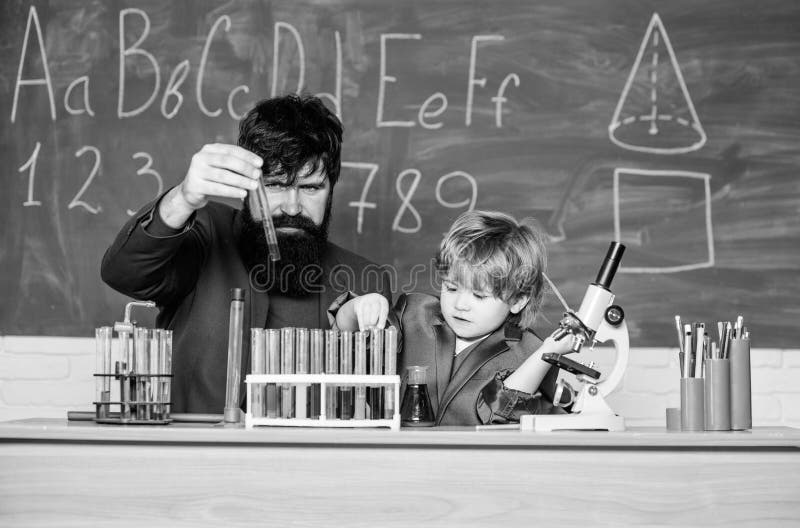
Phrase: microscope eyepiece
(610, 264)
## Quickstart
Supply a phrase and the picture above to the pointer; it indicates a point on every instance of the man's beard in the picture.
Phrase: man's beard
(298, 272)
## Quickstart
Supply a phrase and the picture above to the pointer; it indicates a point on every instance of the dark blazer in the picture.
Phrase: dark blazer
(190, 276)
(427, 340)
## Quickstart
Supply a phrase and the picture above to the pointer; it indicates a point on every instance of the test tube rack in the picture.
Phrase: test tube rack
(305, 377)
(138, 374)
(153, 409)
(323, 381)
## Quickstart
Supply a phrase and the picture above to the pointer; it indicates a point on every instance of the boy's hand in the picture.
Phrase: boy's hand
(371, 310)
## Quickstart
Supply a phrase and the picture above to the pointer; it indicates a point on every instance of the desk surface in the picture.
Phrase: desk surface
(58, 430)
(59, 473)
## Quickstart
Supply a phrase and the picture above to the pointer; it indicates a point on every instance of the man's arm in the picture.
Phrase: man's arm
(216, 170)
(158, 253)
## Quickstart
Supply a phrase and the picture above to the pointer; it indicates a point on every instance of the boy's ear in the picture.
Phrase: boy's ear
(519, 304)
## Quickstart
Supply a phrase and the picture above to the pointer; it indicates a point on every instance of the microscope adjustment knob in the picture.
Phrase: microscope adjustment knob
(614, 315)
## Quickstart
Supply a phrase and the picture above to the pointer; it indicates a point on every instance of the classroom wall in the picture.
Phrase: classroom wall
(47, 376)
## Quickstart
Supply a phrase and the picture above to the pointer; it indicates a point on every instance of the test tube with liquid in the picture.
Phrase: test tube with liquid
(139, 381)
(102, 339)
(346, 394)
(360, 367)
(153, 370)
(390, 369)
(123, 370)
(262, 203)
(301, 367)
(287, 367)
(375, 397)
(316, 352)
(273, 346)
(258, 365)
(331, 367)
(165, 371)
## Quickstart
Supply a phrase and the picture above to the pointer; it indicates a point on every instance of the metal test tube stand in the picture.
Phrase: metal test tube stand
(124, 367)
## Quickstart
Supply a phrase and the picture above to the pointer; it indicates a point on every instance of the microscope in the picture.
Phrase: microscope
(597, 321)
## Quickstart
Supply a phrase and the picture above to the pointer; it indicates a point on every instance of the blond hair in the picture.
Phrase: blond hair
(491, 251)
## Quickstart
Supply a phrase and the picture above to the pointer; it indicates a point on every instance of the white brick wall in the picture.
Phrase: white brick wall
(47, 376)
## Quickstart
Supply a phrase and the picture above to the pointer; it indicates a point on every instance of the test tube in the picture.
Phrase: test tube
(346, 396)
(331, 367)
(360, 368)
(316, 353)
(141, 345)
(273, 345)
(152, 379)
(235, 323)
(123, 370)
(258, 365)
(102, 339)
(287, 367)
(301, 367)
(266, 222)
(375, 397)
(165, 371)
(390, 369)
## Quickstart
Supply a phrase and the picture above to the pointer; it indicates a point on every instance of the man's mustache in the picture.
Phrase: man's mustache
(296, 222)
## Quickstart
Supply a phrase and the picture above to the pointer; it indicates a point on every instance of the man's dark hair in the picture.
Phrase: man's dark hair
(291, 131)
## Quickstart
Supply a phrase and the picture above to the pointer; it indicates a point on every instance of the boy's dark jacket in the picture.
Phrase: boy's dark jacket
(472, 394)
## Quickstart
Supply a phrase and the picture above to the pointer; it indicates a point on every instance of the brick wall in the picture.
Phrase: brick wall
(46, 376)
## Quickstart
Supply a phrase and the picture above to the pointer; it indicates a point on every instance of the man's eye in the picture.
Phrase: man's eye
(274, 187)
(311, 188)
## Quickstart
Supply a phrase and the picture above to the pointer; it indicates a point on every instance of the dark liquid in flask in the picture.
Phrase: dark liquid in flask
(416, 409)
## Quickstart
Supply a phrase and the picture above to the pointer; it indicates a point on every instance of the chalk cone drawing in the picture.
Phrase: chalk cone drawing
(655, 113)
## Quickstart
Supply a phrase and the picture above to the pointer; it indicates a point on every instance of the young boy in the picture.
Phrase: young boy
(479, 330)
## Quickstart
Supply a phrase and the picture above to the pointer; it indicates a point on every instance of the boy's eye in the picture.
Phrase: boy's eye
(479, 296)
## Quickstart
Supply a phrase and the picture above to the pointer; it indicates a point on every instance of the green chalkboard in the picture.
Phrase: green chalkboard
(673, 126)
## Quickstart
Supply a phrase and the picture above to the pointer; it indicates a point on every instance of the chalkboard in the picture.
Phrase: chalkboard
(673, 126)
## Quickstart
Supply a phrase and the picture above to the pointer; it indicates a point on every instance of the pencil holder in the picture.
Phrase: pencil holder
(692, 404)
(741, 404)
(717, 395)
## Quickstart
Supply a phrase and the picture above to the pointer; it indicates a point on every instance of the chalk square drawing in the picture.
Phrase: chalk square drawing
(709, 233)
(655, 113)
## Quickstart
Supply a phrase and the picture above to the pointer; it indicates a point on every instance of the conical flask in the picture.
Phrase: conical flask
(416, 409)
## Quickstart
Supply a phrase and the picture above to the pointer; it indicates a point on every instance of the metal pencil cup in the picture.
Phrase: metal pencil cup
(717, 395)
(692, 416)
(741, 403)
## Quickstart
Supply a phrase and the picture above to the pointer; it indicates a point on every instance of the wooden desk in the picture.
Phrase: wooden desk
(54, 473)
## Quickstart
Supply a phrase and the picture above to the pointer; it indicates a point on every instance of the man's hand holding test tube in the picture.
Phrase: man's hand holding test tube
(226, 171)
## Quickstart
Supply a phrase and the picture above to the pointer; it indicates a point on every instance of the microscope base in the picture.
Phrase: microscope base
(574, 422)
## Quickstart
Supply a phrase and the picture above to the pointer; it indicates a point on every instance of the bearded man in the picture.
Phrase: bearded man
(186, 253)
